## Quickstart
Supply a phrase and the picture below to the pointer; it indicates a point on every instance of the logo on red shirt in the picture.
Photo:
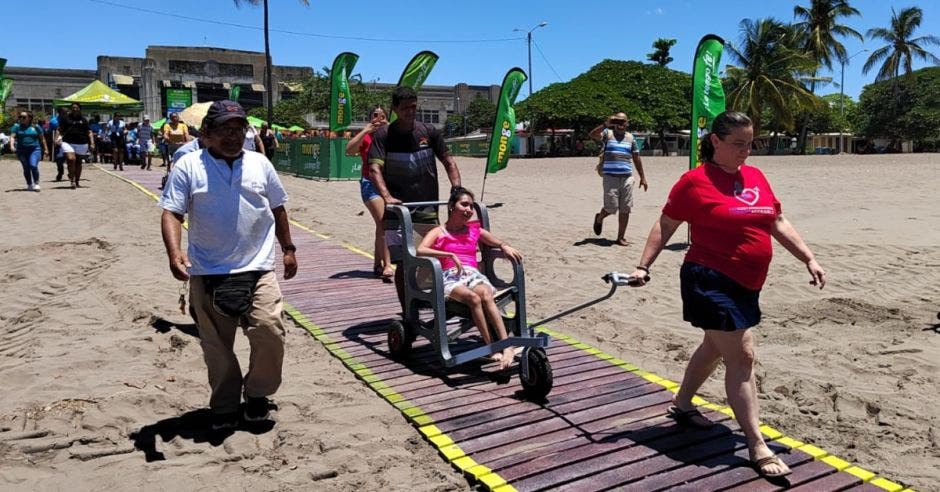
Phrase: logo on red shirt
(423, 142)
(748, 196)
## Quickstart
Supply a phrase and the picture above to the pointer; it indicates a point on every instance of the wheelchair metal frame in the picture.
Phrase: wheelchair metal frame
(521, 333)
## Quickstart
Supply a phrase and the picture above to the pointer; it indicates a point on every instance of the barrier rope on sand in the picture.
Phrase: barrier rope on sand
(452, 452)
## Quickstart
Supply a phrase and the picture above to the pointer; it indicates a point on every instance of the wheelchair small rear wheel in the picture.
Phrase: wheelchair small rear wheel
(540, 380)
(399, 340)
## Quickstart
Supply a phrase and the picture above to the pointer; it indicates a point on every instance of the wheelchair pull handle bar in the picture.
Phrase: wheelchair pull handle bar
(621, 279)
(616, 279)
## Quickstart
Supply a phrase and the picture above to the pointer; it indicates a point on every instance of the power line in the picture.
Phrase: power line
(307, 34)
(546, 61)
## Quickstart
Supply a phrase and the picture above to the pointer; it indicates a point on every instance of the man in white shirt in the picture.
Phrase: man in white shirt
(235, 202)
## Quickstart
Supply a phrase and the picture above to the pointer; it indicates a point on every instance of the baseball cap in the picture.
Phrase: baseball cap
(146, 117)
(221, 111)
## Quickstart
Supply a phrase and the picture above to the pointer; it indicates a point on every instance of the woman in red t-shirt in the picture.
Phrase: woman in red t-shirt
(732, 212)
(370, 195)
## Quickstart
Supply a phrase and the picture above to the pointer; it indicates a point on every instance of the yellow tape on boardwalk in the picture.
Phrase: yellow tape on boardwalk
(482, 475)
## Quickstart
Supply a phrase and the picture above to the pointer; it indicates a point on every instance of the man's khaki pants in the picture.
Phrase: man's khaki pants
(265, 334)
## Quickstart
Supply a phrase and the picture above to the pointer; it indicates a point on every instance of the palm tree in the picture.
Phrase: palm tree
(818, 27)
(267, 51)
(661, 55)
(901, 49)
(770, 72)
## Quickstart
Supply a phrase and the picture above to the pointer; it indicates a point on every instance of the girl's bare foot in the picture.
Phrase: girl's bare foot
(508, 356)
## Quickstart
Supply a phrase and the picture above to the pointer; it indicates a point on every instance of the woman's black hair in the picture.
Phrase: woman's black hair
(455, 193)
(723, 125)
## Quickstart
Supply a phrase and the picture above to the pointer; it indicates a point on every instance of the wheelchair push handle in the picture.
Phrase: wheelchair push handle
(621, 279)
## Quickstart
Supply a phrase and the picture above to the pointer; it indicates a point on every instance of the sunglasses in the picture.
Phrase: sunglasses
(24, 116)
(618, 122)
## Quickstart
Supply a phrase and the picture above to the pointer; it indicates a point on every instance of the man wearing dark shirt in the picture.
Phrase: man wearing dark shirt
(76, 140)
(403, 167)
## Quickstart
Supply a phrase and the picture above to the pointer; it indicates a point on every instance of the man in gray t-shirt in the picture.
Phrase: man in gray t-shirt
(144, 138)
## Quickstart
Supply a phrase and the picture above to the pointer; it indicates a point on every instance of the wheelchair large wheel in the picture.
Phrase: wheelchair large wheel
(399, 340)
(540, 380)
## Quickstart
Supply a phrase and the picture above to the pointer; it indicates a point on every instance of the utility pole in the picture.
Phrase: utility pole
(267, 67)
(528, 39)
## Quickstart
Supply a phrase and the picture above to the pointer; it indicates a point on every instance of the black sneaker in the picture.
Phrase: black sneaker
(224, 420)
(257, 409)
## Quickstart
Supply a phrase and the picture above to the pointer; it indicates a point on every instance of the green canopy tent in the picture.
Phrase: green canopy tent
(278, 127)
(296, 128)
(97, 96)
(159, 123)
(255, 121)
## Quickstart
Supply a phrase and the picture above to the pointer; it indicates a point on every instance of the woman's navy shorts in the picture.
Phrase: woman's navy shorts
(713, 301)
(368, 190)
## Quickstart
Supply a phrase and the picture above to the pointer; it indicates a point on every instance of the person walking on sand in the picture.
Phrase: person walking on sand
(733, 213)
(28, 143)
(230, 260)
(117, 135)
(382, 262)
(620, 156)
(402, 167)
(144, 140)
(77, 139)
(175, 134)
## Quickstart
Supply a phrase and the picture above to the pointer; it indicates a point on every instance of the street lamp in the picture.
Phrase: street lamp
(842, 95)
(528, 39)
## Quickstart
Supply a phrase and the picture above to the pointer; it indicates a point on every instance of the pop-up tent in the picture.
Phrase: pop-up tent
(98, 97)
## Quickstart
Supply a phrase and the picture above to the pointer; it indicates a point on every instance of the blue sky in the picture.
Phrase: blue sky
(578, 34)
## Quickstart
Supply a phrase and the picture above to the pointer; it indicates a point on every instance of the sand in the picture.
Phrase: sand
(89, 351)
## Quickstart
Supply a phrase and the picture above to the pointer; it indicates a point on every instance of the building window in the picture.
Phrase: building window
(429, 116)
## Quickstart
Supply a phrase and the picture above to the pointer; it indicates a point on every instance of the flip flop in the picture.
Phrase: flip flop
(762, 464)
(598, 224)
(691, 418)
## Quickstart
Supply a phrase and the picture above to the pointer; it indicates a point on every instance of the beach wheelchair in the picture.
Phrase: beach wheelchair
(426, 311)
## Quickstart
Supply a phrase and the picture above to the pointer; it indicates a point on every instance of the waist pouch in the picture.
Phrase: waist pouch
(232, 294)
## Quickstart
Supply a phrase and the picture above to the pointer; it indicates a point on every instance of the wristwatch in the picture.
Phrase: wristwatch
(288, 247)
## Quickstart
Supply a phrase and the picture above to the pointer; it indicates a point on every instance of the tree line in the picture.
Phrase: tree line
(774, 72)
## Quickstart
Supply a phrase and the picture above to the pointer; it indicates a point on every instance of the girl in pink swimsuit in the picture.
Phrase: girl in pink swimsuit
(455, 245)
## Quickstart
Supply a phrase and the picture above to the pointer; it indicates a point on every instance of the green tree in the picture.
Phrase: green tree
(480, 114)
(900, 52)
(901, 48)
(771, 66)
(315, 99)
(655, 98)
(267, 51)
(917, 116)
(819, 29)
(661, 54)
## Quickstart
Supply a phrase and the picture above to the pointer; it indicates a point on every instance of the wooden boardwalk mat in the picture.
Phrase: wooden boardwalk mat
(603, 426)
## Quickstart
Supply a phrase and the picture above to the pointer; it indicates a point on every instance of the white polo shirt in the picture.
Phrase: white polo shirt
(231, 226)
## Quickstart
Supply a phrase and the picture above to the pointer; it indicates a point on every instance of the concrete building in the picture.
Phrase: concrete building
(35, 88)
(168, 74)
